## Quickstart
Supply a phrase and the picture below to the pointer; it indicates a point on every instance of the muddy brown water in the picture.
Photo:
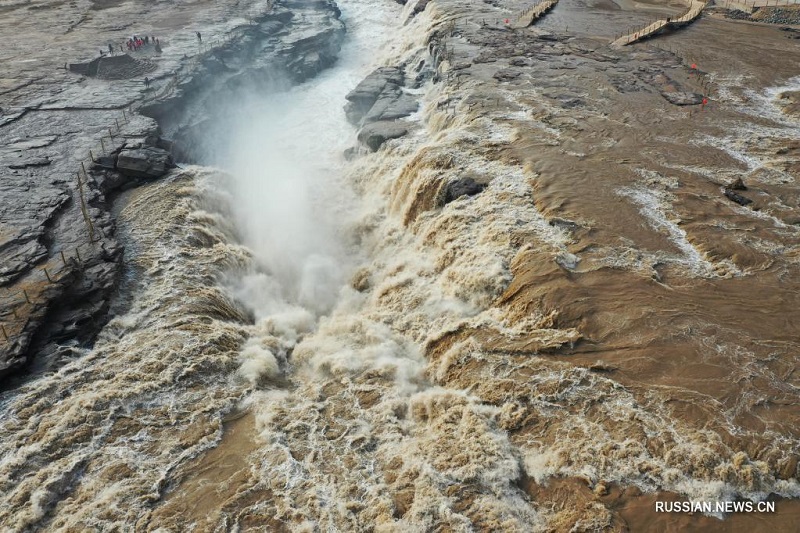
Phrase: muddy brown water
(664, 330)
(720, 350)
(601, 328)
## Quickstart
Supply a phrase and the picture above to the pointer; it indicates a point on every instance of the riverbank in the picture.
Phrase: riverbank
(64, 134)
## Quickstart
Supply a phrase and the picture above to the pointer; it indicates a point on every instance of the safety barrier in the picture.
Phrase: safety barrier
(631, 36)
(702, 78)
(52, 272)
(749, 6)
(56, 267)
(533, 13)
(523, 18)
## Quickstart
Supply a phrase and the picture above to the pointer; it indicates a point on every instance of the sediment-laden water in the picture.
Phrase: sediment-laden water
(317, 344)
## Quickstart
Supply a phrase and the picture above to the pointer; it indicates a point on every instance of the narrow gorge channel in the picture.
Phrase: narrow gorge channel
(230, 263)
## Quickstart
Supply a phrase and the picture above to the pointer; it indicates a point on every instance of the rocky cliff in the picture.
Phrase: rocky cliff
(69, 142)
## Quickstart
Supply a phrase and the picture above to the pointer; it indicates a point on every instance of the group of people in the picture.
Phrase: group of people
(136, 42)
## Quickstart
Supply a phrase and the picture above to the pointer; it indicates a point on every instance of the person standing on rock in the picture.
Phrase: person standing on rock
(199, 37)
(110, 49)
(146, 82)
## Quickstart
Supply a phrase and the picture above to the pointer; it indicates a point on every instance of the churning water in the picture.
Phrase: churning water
(317, 344)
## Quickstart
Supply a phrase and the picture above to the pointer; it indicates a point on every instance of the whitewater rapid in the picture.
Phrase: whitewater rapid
(95, 443)
(323, 344)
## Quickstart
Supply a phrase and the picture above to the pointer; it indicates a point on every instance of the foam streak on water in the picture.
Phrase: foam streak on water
(371, 334)
(91, 444)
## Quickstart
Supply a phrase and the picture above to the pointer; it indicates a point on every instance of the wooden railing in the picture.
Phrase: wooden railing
(649, 29)
(748, 6)
(57, 266)
(533, 13)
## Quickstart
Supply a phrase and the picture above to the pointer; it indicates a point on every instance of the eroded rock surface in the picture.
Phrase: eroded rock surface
(377, 133)
(69, 139)
(146, 162)
(385, 81)
(462, 187)
(377, 104)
